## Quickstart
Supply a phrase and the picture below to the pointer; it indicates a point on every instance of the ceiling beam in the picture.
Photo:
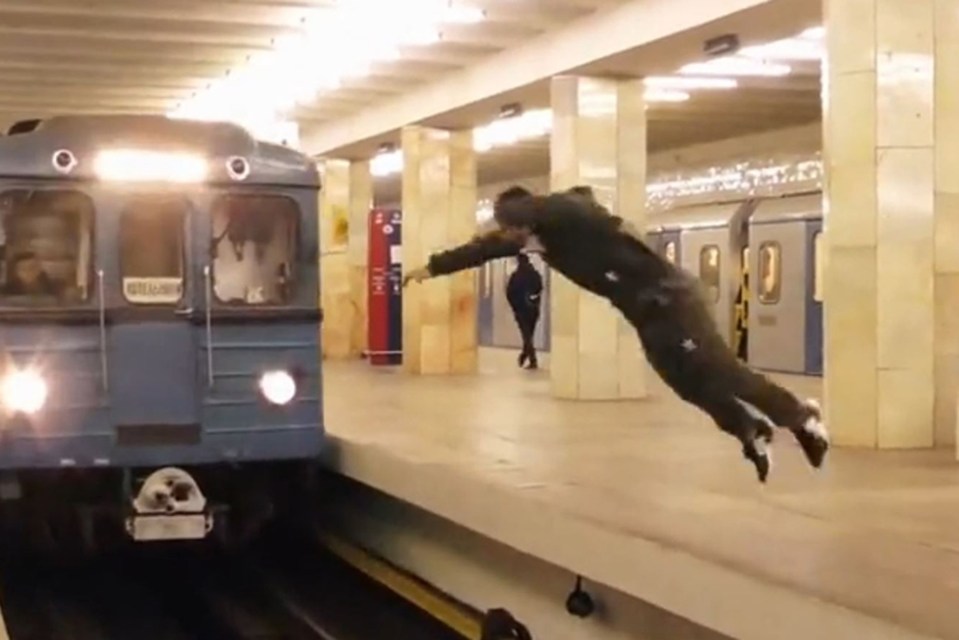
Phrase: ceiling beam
(252, 14)
(200, 33)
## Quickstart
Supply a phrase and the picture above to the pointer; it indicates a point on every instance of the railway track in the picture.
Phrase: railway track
(280, 590)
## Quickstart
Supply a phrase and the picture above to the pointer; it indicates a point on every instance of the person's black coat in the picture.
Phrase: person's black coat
(524, 290)
(580, 240)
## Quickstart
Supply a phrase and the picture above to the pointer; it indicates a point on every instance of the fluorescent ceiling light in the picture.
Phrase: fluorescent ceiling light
(666, 95)
(787, 49)
(688, 82)
(813, 33)
(465, 15)
(384, 164)
(736, 66)
(325, 51)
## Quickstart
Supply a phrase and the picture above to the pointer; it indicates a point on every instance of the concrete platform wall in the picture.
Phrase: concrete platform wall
(487, 574)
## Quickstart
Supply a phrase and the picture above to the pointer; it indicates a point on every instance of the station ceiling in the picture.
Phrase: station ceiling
(132, 56)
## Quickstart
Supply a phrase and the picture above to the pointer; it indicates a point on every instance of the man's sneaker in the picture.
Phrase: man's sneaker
(811, 433)
(758, 452)
(756, 447)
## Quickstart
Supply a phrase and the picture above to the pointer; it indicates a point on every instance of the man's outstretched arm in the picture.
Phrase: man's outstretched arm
(487, 246)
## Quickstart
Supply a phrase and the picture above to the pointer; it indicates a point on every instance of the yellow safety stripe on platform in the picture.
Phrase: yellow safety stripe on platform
(454, 615)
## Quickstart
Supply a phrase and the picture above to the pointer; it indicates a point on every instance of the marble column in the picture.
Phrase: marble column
(598, 139)
(345, 202)
(439, 212)
(891, 146)
(947, 221)
(360, 204)
(334, 266)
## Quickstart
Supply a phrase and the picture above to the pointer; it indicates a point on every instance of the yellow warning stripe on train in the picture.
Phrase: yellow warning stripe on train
(454, 615)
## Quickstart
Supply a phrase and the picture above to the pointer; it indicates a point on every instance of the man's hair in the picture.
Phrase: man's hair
(583, 190)
(513, 193)
(514, 207)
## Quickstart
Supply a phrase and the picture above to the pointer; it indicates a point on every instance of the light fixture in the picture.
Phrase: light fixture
(23, 391)
(665, 95)
(721, 45)
(788, 49)
(63, 161)
(268, 84)
(388, 160)
(735, 66)
(688, 82)
(741, 178)
(278, 387)
(134, 165)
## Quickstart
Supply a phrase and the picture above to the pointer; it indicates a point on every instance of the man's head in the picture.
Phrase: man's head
(522, 260)
(584, 191)
(514, 212)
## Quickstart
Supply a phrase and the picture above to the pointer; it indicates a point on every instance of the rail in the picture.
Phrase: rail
(208, 295)
(466, 621)
(102, 312)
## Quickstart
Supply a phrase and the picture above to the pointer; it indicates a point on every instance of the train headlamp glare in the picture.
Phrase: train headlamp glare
(23, 391)
(278, 387)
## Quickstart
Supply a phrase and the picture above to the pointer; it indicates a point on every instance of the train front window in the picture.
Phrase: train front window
(710, 271)
(46, 248)
(669, 252)
(254, 248)
(152, 249)
(770, 272)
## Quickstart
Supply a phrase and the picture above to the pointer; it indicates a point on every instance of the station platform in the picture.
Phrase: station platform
(650, 498)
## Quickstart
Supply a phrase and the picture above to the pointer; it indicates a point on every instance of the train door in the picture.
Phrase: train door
(704, 254)
(152, 345)
(814, 297)
(484, 306)
(742, 308)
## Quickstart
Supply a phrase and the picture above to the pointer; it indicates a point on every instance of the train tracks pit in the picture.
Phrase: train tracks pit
(282, 588)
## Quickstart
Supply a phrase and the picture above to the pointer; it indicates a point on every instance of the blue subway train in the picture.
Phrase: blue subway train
(159, 324)
(759, 261)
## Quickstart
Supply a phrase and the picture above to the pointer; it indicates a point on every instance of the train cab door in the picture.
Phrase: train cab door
(153, 352)
(814, 297)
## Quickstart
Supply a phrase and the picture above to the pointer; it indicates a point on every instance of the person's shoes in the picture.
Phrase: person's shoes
(811, 434)
(756, 448)
(522, 359)
(533, 365)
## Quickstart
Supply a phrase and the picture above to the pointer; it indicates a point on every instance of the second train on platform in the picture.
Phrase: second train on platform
(758, 259)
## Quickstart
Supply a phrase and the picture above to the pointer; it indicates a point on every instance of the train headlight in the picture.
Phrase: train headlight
(23, 391)
(136, 165)
(278, 387)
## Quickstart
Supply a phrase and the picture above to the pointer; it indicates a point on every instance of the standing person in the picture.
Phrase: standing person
(606, 256)
(524, 293)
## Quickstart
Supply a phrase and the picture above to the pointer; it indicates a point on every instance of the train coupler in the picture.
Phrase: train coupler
(169, 506)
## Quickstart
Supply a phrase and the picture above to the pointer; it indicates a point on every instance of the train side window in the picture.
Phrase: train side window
(710, 270)
(817, 267)
(770, 272)
(46, 249)
(254, 248)
(669, 251)
(152, 260)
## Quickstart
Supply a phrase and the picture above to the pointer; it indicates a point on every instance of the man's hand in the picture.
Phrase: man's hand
(419, 275)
